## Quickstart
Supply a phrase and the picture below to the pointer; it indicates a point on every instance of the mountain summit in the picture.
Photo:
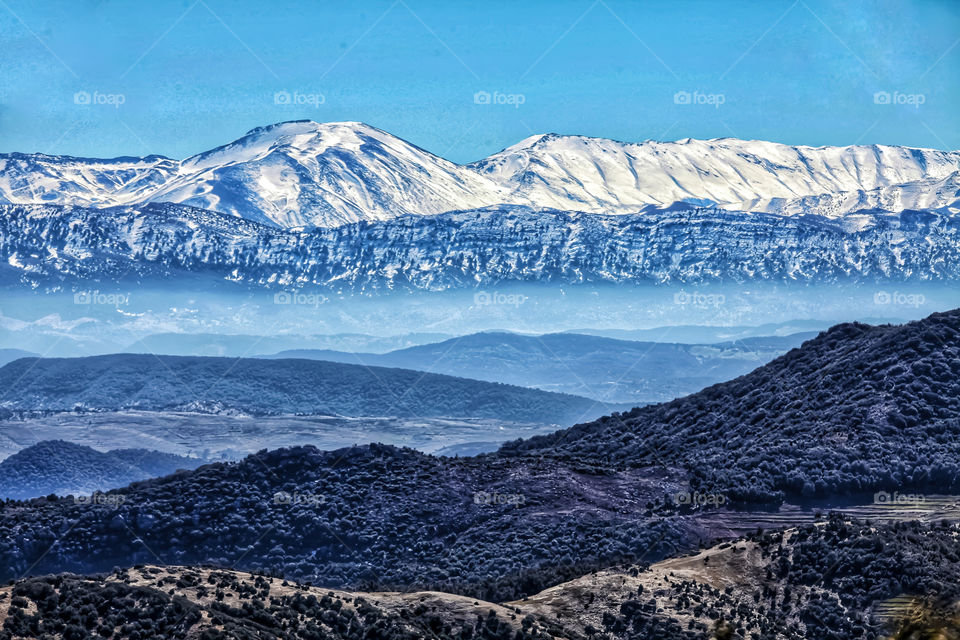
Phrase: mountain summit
(304, 173)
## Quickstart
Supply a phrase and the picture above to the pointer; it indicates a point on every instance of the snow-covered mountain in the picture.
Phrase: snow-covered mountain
(289, 174)
(42, 179)
(303, 173)
(931, 193)
(575, 173)
(49, 244)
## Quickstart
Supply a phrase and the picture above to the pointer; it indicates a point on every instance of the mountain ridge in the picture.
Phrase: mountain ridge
(606, 369)
(473, 249)
(271, 387)
(304, 173)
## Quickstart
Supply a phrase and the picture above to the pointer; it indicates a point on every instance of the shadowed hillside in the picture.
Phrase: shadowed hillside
(856, 410)
(269, 387)
(59, 467)
(840, 579)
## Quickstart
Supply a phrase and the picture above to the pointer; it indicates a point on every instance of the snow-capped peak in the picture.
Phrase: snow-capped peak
(298, 137)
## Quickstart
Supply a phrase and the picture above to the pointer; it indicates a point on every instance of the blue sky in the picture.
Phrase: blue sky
(107, 78)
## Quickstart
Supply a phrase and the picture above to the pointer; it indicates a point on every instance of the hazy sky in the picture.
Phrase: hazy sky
(107, 78)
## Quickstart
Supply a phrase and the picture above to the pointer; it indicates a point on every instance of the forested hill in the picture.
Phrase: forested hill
(59, 467)
(485, 527)
(901, 581)
(857, 409)
(264, 387)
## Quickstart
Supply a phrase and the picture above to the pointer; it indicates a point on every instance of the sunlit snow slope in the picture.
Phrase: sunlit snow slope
(309, 174)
